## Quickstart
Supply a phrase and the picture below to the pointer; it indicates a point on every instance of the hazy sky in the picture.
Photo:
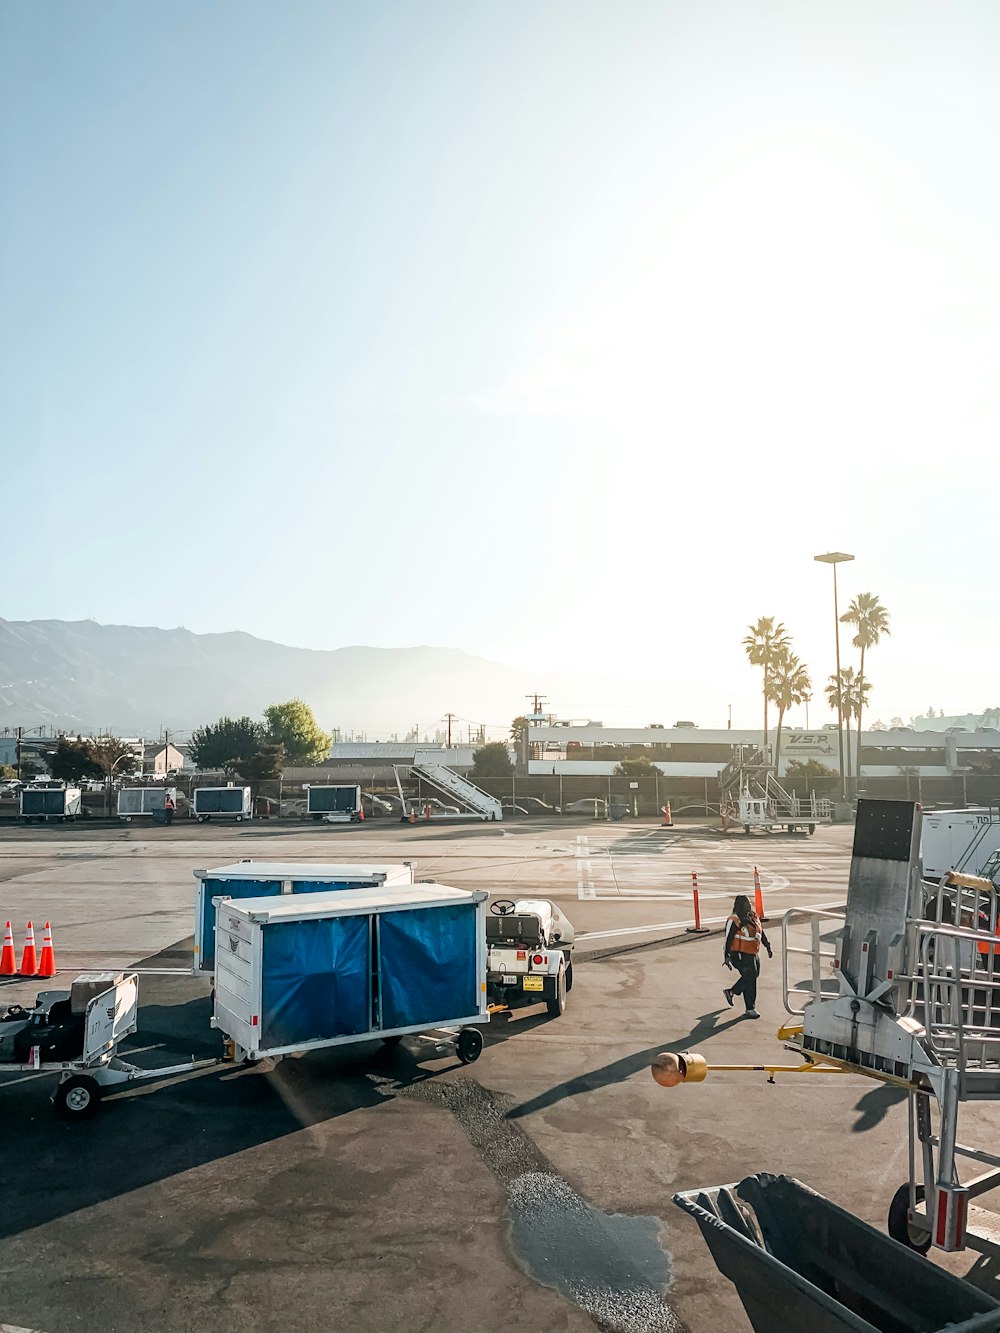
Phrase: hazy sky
(566, 333)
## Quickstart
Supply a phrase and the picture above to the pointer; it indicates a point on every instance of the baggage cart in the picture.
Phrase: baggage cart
(221, 803)
(303, 972)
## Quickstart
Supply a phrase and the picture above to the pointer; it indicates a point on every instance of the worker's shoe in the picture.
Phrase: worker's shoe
(729, 997)
(752, 1013)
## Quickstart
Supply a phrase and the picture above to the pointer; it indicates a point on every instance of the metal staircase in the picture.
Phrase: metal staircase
(468, 795)
(752, 774)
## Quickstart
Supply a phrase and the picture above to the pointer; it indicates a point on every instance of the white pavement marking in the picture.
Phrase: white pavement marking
(682, 925)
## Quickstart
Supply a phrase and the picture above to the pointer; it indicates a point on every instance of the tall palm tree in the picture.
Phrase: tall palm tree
(790, 684)
(871, 620)
(853, 691)
(765, 644)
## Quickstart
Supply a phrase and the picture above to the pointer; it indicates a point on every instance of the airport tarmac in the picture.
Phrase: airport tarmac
(377, 1189)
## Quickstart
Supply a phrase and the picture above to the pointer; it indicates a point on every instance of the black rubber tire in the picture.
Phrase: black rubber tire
(239, 819)
(746, 828)
(469, 1046)
(79, 1098)
(557, 1005)
(569, 976)
(392, 1040)
(898, 1224)
(202, 818)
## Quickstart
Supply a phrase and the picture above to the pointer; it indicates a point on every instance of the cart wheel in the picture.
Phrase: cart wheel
(557, 1005)
(201, 819)
(78, 1098)
(393, 1040)
(239, 819)
(469, 1045)
(569, 977)
(746, 828)
(900, 1228)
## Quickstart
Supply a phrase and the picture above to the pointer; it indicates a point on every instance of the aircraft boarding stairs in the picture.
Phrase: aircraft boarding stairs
(751, 773)
(471, 798)
(904, 986)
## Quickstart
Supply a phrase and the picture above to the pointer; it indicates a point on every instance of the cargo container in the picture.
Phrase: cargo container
(958, 840)
(151, 802)
(272, 879)
(221, 803)
(45, 803)
(335, 804)
(300, 973)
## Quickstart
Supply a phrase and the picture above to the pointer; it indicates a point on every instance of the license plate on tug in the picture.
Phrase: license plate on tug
(508, 980)
(532, 983)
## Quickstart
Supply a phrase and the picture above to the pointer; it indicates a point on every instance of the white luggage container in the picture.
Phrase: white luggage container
(304, 972)
(150, 802)
(222, 803)
(45, 803)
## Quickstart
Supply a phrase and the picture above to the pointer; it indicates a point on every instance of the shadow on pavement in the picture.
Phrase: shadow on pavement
(705, 1027)
(158, 1129)
(875, 1106)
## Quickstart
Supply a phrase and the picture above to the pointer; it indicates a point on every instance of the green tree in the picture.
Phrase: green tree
(764, 645)
(809, 768)
(267, 763)
(871, 621)
(516, 727)
(223, 744)
(7, 772)
(789, 686)
(639, 767)
(71, 761)
(853, 694)
(293, 726)
(111, 755)
(492, 760)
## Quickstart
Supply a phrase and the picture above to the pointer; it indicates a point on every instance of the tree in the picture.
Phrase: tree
(72, 761)
(267, 763)
(7, 772)
(492, 760)
(293, 726)
(108, 752)
(871, 620)
(878, 725)
(808, 768)
(789, 686)
(516, 727)
(990, 717)
(763, 646)
(639, 767)
(222, 744)
(853, 694)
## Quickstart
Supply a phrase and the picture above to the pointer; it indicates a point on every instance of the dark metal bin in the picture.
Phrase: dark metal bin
(801, 1263)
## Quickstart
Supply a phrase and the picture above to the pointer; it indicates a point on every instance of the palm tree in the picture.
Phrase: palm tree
(765, 644)
(853, 694)
(790, 684)
(871, 620)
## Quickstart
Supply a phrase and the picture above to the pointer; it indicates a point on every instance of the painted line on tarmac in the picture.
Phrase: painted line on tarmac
(682, 925)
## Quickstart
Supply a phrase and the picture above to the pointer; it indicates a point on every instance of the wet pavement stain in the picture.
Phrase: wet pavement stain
(611, 1265)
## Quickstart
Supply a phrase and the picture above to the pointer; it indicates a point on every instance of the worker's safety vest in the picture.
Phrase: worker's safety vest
(746, 939)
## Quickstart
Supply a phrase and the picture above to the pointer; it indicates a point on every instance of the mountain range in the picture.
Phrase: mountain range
(85, 677)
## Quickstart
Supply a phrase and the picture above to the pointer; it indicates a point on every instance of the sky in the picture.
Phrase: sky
(566, 333)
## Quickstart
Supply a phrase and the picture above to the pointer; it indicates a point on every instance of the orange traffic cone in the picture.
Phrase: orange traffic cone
(667, 821)
(413, 815)
(29, 962)
(8, 963)
(361, 814)
(47, 962)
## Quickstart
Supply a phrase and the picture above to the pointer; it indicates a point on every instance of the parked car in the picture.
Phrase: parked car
(374, 805)
(589, 805)
(509, 808)
(536, 806)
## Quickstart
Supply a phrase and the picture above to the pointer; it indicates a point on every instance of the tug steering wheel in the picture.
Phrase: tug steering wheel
(503, 907)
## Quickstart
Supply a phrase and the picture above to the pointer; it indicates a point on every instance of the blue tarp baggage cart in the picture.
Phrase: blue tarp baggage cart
(305, 971)
(801, 1263)
(272, 879)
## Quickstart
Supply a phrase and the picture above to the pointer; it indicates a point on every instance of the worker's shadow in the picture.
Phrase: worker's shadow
(706, 1026)
(875, 1105)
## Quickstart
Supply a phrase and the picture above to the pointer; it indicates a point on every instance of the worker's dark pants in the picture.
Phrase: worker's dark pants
(748, 966)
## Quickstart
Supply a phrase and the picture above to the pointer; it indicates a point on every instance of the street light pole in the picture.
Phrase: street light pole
(836, 558)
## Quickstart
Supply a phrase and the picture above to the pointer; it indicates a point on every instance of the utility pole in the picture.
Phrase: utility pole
(537, 700)
(449, 716)
(20, 733)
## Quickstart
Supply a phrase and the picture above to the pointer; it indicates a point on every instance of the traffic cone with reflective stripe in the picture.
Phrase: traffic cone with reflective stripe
(667, 821)
(47, 962)
(29, 960)
(8, 962)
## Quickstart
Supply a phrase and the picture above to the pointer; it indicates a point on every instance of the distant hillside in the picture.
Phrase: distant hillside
(83, 676)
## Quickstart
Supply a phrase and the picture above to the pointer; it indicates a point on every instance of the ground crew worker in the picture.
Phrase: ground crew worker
(744, 936)
(168, 810)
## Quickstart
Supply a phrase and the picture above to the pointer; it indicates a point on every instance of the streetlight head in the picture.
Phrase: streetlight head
(833, 558)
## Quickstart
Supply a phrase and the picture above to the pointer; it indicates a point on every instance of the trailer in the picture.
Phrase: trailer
(221, 803)
(529, 952)
(306, 972)
(272, 879)
(76, 1034)
(145, 802)
(43, 804)
(336, 804)
(958, 840)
